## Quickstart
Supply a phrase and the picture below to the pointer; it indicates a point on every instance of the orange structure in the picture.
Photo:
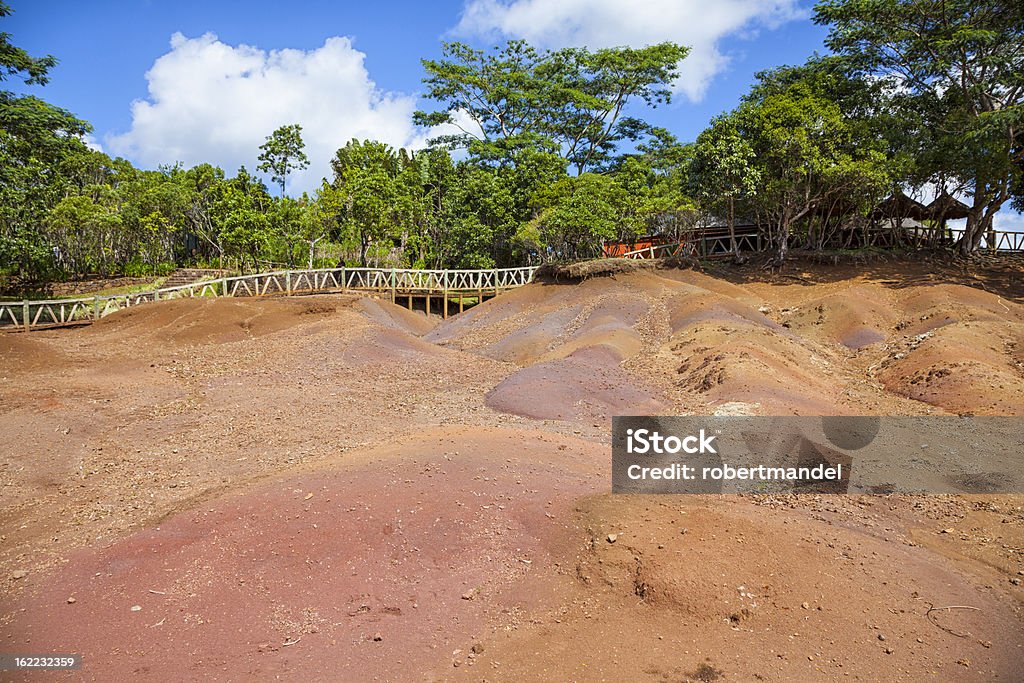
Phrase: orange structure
(617, 249)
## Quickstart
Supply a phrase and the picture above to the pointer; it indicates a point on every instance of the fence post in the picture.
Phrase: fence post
(224, 286)
(288, 283)
(24, 315)
(96, 307)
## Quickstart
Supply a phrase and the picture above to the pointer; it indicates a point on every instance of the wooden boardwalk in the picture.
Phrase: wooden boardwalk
(442, 290)
(445, 290)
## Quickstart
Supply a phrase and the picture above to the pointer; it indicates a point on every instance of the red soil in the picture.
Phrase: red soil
(277, 482)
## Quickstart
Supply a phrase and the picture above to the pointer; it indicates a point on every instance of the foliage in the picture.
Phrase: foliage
(14, 61)
(36, 142)
(553, 165)
(568, 102)
(576, 215)
(809, 158)
(282, 153)
(724, 171)
(958, 66)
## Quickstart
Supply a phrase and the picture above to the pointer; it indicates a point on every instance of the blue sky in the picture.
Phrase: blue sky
(202, 81)
(107, 48)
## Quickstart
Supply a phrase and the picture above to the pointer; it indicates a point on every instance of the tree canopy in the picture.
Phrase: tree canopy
(14, 61)
(282, 153)
(569, 101)
(546, 155)
(957, 68)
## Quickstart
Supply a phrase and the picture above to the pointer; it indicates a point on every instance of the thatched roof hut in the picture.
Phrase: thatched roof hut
(947, 207)
(900, 206)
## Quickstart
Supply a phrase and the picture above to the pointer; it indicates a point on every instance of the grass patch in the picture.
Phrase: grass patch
(706, 673)
(156, 283)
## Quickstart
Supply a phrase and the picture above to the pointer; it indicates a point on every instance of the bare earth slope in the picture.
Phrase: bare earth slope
(328, 488)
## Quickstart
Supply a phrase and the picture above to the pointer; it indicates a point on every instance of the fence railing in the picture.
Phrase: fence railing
(720, 245)
(997, 240)
(393, 281)
(703, 247)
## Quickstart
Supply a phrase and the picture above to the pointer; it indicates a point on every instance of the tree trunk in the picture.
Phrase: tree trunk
(973, 231)
(783, 237)
(987, 201)
(733, 244)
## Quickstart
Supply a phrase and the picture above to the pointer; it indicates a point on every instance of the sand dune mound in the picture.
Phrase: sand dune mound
(609, 321)
(710, 283)
(695, 306)
(683, 591)
(855, 318)
(691, 340)
(396, 317)
(966, 368)
(751, 363)
(496, 318)
(533, 337)
(387, 348)
(360, 570)
(585, 386)
(531, 323)
(329, 488)
(22, 353)
(219, 321)
(929, 308)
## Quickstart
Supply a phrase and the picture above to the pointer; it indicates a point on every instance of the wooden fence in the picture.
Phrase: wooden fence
(441, 287)
(719, 245)
(701, 247)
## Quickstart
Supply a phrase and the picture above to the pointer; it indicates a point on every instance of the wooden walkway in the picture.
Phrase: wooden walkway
(443, 290)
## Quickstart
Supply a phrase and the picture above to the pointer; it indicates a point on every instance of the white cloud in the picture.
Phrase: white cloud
(700, 24)
(92, 143)
(1008, 220)
(217, 103)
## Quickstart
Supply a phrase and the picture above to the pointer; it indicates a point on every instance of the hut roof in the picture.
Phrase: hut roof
(899, 205)
(948, 206)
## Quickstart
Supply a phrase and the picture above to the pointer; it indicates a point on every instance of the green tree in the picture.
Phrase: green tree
(496, 91)
(576, 216)
(155, 206)
(201, 187)
(484, 214)
(437, 175)
(288, 220)
(14, 61)
(319, 217)
(242, 218)
(809, 156)
(283, 153)
(376, 206)
(35, 140)
(960, 67)
(723, 171)
(586, 92)
(568, 101)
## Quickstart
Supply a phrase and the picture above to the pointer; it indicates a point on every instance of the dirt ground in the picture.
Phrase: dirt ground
(332, 488)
